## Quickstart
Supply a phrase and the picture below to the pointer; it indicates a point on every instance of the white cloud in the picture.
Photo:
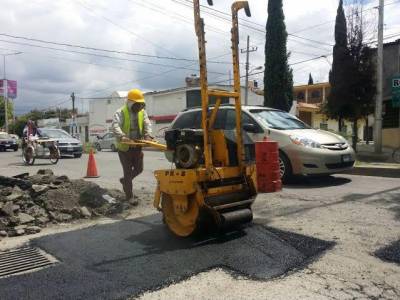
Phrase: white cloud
(47, 77)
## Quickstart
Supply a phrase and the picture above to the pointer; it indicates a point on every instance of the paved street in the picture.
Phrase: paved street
(359, 214)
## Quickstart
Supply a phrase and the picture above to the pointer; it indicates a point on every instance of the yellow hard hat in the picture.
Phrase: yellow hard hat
(136, 95)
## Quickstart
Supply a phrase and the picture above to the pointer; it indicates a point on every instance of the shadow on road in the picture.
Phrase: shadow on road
(305, 182)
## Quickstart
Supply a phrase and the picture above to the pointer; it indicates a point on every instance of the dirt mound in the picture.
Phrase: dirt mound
(29, 203)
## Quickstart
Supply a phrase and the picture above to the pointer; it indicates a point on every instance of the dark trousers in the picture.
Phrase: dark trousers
(132, 165)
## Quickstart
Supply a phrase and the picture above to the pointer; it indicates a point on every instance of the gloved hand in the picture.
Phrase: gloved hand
(124, 139)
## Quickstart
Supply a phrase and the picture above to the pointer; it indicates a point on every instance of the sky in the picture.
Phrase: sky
(153, 44)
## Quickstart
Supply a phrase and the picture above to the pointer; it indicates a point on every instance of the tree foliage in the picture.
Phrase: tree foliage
(310, 79)
(352, 76)
(10, 111)
(278, 76)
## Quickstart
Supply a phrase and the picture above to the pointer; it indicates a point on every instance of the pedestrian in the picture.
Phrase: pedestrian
(131, 122)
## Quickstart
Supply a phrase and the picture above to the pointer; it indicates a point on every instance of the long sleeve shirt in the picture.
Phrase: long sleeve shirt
(134, 134)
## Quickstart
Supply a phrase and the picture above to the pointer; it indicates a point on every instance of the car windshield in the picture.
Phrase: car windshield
(54, 133)
(281, 120)
(4, 136)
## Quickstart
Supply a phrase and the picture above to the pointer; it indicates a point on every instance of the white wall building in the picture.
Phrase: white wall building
(101, 112)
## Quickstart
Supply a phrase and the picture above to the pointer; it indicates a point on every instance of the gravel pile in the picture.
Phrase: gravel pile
(29, 203)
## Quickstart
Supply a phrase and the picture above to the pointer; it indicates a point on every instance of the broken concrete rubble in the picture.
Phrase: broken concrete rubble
(29, 202)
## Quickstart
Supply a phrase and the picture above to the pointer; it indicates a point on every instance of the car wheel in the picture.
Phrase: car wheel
(78, 155)
(113, 148)
(98, 147)
(285, 168)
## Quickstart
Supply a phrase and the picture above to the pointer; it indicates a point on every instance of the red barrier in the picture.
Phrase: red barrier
(267, 163)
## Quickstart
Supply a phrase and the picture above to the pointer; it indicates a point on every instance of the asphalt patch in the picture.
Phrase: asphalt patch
(127, 258)
(390, 253)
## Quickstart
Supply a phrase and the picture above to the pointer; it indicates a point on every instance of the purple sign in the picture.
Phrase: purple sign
(11, 88)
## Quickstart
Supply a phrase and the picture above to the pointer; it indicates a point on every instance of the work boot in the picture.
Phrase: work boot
(133, 201)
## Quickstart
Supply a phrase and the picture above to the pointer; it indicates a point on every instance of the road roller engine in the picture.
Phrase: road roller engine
(213, 185)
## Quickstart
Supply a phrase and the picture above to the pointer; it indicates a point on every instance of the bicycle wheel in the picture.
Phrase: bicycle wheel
(396, 155)
(28, 155)
(54, 154)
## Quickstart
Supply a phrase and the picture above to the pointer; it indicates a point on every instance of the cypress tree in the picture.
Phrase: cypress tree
(278, 76)
(341, 73)
(310, 80)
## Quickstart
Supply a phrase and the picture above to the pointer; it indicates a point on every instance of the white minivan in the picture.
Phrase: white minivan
(302, 149)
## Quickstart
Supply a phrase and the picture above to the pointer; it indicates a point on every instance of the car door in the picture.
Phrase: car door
(230, 124)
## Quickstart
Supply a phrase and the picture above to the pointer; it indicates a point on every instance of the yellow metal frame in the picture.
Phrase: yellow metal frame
(146, 143)
(181, 193)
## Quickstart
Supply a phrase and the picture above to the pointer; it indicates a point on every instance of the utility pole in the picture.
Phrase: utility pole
(73, 113)
(379, 84)
(5, 94)
(247, 51)
(5, 89)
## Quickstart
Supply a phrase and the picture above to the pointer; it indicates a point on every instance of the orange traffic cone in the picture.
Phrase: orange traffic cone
(91, 167)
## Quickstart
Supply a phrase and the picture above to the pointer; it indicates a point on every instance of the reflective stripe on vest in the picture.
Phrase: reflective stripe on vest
(126, 125)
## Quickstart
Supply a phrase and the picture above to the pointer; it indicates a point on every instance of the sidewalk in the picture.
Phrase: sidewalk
(371, 164)
(375, 169)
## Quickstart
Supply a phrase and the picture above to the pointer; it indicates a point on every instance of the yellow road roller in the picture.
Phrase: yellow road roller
(214, 183)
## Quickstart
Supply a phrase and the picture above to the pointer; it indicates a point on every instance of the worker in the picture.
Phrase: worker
(131, 122)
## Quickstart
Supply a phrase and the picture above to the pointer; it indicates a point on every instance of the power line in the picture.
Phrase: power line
(103, 56)
(92, 10)
(245, 25)
(105, 50)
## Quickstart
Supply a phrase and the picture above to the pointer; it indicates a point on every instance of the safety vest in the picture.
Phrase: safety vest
(126, 125)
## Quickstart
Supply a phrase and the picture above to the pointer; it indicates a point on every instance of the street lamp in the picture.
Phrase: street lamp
(5, 88)
(246, 92)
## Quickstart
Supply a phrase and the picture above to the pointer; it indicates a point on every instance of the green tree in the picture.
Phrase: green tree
(310, 79)
(341, 72)
(362, 82)
(278, 76)
(10, 110)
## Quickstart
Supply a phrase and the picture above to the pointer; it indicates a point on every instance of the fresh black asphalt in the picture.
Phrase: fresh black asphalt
(129, 257)
(390, 253)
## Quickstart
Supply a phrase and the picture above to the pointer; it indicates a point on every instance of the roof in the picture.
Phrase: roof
(308, 106)
(195, 88)
(120, 94)
(312, 86)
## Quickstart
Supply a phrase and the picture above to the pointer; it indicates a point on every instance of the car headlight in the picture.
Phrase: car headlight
(303, 141)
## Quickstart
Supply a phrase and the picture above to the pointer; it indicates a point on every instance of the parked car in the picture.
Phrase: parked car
(107, 141)
(302, 150)
(66, 143)
(7, 142)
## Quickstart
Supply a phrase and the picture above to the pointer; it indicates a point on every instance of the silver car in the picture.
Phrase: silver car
(302, 150)
(107, 141)
(67, 144)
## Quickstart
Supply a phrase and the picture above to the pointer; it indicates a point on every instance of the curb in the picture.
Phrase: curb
(375, 171)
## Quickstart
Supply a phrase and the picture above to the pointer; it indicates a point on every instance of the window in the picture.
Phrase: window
(230, 123)
(193, 99)
(190, 119)
(315, 94)
(300, 96)
(323, 126)
(391, 115)
(279, 119)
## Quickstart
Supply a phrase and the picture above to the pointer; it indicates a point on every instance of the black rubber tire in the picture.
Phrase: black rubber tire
(98, 147)
(113, 148)
(285, 167)
(78, 155)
